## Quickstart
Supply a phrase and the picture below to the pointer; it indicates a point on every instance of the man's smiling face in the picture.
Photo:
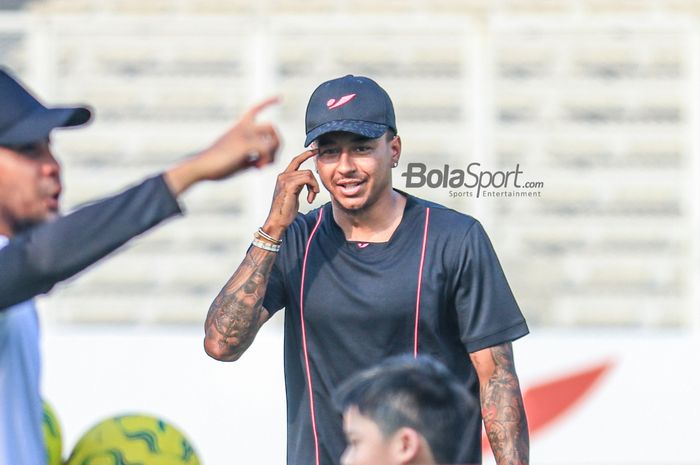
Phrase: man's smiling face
(356, 170)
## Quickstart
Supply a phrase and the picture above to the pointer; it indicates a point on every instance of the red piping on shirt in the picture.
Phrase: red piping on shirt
(303, 325)
(303, 337)
(420, 281)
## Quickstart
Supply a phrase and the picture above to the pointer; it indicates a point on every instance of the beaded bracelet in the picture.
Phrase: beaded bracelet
(265, 246)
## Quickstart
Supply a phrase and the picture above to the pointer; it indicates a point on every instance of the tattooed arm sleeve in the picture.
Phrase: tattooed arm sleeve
(502, 405)
(237, 313)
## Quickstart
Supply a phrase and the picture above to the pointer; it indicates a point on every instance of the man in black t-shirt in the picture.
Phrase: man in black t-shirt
(373, 273)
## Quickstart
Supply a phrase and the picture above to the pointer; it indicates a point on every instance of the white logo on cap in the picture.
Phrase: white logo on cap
(332, 103)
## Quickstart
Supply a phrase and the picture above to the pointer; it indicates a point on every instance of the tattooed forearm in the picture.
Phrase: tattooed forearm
(503, 410)
(237, 313)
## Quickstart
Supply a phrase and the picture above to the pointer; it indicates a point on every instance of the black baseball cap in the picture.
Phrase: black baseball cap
(354, 104)
(23, 119)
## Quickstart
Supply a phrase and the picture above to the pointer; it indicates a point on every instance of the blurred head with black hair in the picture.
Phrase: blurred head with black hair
(402, 411)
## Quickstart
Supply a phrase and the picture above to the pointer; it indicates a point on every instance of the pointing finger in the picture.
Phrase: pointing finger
(253, 111)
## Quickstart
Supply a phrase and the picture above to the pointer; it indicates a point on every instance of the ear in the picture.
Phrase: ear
(395, 147)
(406, 445)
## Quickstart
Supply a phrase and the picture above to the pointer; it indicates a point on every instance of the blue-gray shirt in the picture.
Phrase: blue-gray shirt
(21, 437)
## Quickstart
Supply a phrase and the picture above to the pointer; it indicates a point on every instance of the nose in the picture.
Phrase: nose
(49, 164)
(345, 163)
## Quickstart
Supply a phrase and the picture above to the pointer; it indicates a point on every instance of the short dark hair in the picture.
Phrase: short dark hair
(419, 393)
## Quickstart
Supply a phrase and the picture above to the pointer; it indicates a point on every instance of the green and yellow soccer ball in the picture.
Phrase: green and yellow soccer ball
(52, 436)
(133, 439)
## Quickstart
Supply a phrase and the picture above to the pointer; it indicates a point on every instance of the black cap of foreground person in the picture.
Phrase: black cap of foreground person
(23, 119)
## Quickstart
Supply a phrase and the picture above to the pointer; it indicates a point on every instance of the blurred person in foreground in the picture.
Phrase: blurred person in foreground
(373, 273)
(39, 248)
(404, 411)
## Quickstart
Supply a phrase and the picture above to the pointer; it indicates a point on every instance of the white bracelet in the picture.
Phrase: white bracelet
(265, 246)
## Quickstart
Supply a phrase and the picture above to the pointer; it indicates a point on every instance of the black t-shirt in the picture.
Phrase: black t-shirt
(359, 306)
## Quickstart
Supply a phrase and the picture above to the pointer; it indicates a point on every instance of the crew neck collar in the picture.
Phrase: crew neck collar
(337, 232)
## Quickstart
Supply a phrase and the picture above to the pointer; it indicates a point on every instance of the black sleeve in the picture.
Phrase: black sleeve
(487, 312)
(275, 295)
(32, 262)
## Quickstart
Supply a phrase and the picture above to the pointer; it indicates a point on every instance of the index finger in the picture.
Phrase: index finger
(299, 159)
(253, 111)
